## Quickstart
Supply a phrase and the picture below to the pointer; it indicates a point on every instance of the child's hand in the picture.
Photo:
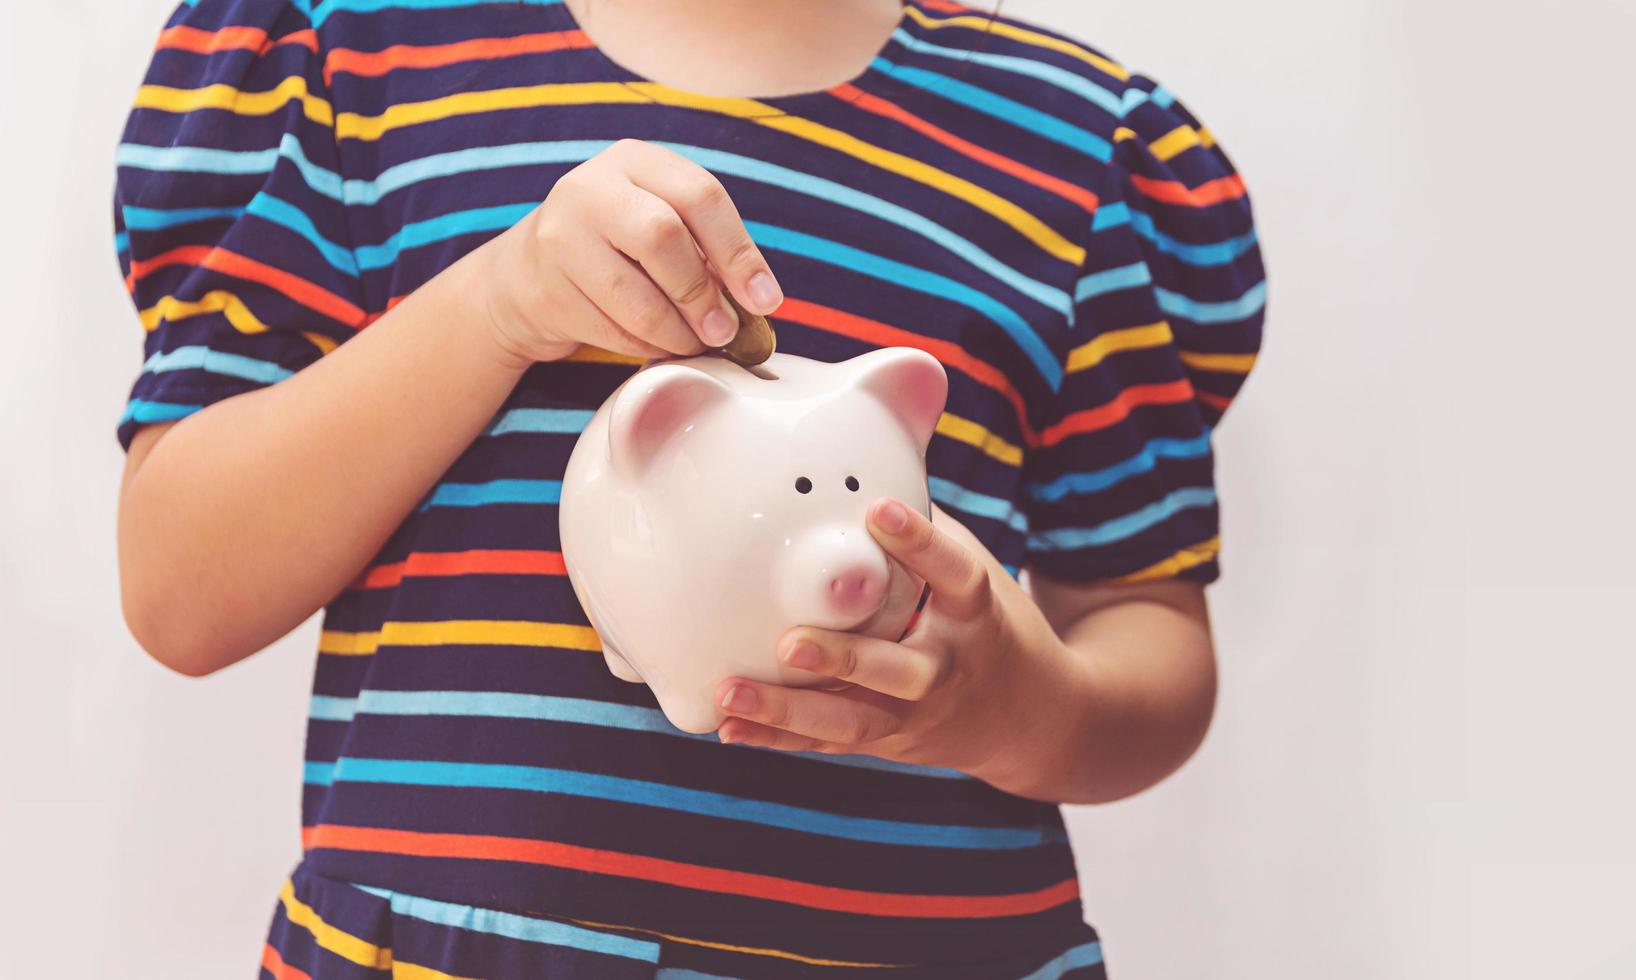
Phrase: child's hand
(948, 695)
(628, 253)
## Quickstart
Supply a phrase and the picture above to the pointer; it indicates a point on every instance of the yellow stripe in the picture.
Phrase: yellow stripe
(351, 125)
(575, 93)
(323, 343)
(748, 950)
(597, 355)
(344, 644)
(1206, 138)
(452, 632)
(216, 301)
(409, 971)
(1180, 562)
(1183, 137)
(1123, 133)
(973, 434)
(1232, 363)
(227, 97)
(1026, 36)
(342, 944)
(1091, 353)
(489, 631)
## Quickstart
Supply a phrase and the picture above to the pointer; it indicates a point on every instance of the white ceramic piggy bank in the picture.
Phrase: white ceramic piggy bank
(709, 507)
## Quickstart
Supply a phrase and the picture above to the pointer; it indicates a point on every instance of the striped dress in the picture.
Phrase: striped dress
(482, 798)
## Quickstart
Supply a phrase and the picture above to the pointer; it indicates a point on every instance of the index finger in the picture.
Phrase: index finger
(714, 221)
(957, 575)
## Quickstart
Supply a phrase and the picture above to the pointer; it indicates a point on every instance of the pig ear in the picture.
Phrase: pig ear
(655, 404)
(909, 382)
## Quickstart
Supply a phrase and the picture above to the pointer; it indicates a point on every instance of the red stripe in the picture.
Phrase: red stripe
(306, 293)
(1117, 410)
(274, 964)
(432, 564)
(881, 107)
(1215, 401)
(697, 877)
(945, 7)
(372, 64)
(1228, 188)
(185, 38)
(873, 331)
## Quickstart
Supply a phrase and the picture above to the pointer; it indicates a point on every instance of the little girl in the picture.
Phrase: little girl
(391, 254)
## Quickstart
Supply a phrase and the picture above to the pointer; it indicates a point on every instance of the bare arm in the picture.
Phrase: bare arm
(1134, 697)
(243, 519)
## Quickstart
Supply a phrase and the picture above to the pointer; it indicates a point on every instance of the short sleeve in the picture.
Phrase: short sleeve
(1167, 322)
(228, 218)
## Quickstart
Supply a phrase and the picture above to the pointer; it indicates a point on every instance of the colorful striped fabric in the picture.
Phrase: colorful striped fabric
(482, 798)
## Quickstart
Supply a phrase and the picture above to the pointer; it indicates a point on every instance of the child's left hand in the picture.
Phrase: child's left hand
(948, 695)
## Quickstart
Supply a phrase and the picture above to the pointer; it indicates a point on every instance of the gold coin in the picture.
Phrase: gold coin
(754, 342)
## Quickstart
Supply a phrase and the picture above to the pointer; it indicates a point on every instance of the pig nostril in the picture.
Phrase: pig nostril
(856, 588)
(852, 483)
(803, 485)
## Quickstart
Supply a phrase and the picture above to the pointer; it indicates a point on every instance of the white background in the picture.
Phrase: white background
(1421, 765)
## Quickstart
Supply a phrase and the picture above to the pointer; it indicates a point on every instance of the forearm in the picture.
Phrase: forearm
(1121, 702)
(247, 517)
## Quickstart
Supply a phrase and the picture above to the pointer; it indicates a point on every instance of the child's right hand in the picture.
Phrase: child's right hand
(629, 253)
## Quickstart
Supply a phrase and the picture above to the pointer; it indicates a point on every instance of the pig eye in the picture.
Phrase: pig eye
(803, 485)
(852, 483)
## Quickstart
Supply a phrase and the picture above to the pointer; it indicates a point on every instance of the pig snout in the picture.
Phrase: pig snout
(834, 579)
(858, 590)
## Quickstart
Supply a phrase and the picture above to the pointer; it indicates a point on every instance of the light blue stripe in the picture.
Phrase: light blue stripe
(1010, 570)
(326, 708)
(141, 410)
(283, 213)
(1227, 311)
(1205, 254)
(440, 228)
(148, 219)
(1002, 108)
(122, 241)
(495, 492)
(512, 926)
(1078, 958)
(590, 785)
(1096, 481)
(972, 502)
(526, 154)
(466, 161)
(831, 192)
(318, 773)
(1110, 216)
(920, 280)
(1119, 213)
(1161, 97)
(199, 159)
(325, 9)
(1112, 280)
(580, 711)
(195, 358)
(1061, 78)
(1069, 538)
(567, 421)
(679, 973)
(195, 159)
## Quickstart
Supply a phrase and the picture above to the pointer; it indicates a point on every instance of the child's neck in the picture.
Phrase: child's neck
(746, 48)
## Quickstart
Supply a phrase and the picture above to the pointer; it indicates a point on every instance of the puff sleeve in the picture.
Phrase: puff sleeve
(228, 217)
(1167, 320)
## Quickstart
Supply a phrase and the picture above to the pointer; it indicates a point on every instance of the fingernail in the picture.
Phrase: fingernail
(719, 327)
(727, 735)
(892, 517)
(739, 699)
(764, 292)
(803, 654)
